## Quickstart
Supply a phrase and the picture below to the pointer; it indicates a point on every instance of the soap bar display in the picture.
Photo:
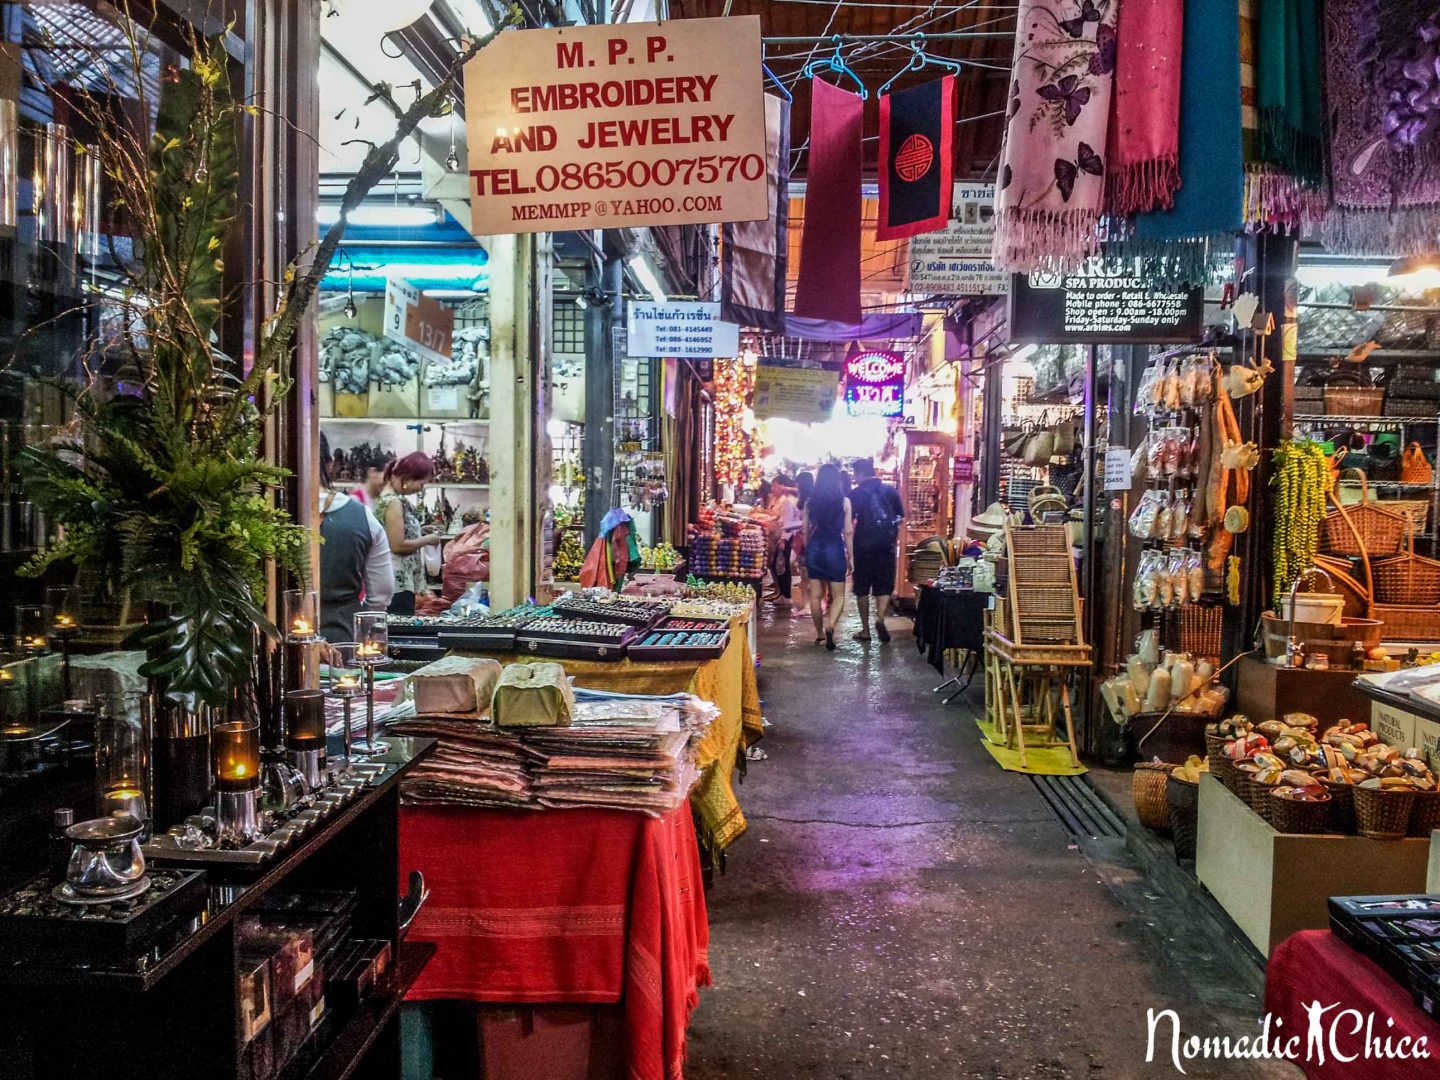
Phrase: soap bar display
(456, 684)
(677, 638)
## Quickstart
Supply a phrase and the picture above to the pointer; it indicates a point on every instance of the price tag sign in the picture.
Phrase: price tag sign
(416, 320)
(1117, 469)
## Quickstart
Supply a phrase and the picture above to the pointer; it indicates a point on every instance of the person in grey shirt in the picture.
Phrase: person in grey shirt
(355, 568)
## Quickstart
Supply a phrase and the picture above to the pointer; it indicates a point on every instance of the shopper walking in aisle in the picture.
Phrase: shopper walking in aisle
(878, 513)
(784, 504)
(354, 558)
(828, 555)
(804, 488)
(403, 478)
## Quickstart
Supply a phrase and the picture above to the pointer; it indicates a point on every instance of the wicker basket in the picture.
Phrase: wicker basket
(1148, 785)
(1408, 622)
(1407, 579)
(1416, 512)
(1200, 630)
(1184, 801)
(1215, 752)
(1342, 807)
(1383, 813)
(1426, 816)
(1255, 794)
(1295, 816)
(1365, 529)
(1354, 400)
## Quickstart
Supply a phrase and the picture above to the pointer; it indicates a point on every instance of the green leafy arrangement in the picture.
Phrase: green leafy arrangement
(166, 492)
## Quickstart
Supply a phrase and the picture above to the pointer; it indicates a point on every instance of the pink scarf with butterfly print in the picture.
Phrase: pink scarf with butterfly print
(1052, 177)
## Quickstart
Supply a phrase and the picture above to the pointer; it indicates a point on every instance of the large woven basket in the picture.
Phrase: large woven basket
(1148, 786)
(1383, 813)
(1184, 800)
(1256, 794)
(1365, 529)
(1406, 578)
(1408, 622)
(1215, 751)
(1416, 512)
(1425, 817)
(1294, 816)
(1342, 807)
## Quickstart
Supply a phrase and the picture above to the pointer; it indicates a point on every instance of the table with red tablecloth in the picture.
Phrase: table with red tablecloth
(565, 906)
(1315, 965)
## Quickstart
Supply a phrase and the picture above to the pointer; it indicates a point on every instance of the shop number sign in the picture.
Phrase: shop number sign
(875, 384)
(417, 320)
(616, 126)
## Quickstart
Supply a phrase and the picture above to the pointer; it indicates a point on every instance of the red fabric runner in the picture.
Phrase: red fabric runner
(597, 906)
(828, 286)
(1315, 965)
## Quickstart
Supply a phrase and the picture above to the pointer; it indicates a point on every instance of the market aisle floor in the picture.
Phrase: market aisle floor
(901, 907)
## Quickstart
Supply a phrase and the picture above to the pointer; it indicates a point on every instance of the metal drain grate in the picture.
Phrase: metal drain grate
(1079, 807)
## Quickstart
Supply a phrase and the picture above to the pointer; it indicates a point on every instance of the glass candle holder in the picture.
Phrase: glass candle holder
(347, 676)
(305, 720)
(10, 698)
(64, 604)
(32, 627)
(122, 754)
(236, 747)
(372, 636)
(302, 615)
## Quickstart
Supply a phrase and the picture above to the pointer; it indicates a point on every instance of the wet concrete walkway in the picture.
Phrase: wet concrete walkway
(900, 907)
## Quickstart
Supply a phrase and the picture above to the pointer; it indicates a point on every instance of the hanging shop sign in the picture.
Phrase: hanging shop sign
(615, 126)
(693, 331)
(806, 395)
(955, 260)
(417, 320)
(875, 383)
(1096, 308)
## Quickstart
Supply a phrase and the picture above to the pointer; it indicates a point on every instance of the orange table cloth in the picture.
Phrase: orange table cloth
(556, 906)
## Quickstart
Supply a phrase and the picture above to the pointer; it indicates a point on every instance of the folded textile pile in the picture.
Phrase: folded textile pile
(626, 752)
(474, 764)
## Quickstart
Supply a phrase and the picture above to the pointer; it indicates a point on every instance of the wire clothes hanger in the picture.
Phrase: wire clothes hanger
(836, 63)
(784, 90)
(919, 60)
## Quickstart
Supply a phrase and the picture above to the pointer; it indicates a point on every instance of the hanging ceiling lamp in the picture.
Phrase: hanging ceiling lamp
(1417, 272)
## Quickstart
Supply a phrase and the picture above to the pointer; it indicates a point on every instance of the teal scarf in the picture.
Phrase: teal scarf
(1288, 88)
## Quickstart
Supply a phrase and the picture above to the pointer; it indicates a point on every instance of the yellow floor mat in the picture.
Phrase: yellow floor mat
(1039, 760)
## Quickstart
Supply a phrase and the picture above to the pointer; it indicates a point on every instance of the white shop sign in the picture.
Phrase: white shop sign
(692, 331)
(955, 260)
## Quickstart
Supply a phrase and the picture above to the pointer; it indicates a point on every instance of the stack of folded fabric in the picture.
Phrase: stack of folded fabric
(622, 752)
(474, 764)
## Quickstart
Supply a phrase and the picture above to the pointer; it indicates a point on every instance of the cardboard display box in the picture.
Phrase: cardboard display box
(1274, 884)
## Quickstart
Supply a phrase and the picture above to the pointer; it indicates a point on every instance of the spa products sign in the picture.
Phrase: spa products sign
(1096, 308)
(615, 126)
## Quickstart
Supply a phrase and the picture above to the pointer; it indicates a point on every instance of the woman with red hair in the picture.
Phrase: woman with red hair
(403, 478)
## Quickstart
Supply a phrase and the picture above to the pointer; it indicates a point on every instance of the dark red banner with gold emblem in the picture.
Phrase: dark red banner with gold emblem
(917, 133)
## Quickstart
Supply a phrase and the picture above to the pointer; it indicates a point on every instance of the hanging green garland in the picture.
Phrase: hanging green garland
(1302, 477)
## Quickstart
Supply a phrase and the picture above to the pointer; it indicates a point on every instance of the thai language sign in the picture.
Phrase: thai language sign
(955, 260)
(613, 126)
(806, 395)
(875, 384)
(682, 329)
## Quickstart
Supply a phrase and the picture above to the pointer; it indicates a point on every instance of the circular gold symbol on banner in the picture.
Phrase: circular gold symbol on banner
(914, 158)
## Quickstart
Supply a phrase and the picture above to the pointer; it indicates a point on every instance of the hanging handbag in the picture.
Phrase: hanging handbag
(1066, 434)
(1414, 468)
(1013, 439)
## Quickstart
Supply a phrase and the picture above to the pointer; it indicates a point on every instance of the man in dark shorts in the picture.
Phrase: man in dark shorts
(878, 512)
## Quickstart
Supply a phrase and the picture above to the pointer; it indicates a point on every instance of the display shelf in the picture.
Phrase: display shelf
(343, 1054)
(458, 486)
(404, 421)
(1375, 421)
(227, 902)
(1378, 358)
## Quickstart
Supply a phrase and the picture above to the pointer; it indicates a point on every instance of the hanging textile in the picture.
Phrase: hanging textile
(1052, 177)
(1287, 88)
(1177, 246)
(829, 283)
(1387, 200)
(917, 155)
(1282, 113)
(752, 287)
(1144, 167)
